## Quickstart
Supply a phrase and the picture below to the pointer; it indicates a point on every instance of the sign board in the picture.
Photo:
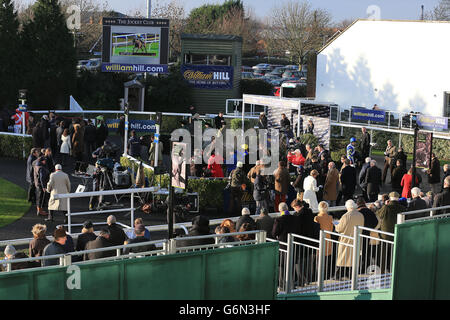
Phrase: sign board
(178, 157)
(432, 123)
(23, 107)
(136, 125)
(208, 76)
(135, 45)
(368, 115)
(424, 145)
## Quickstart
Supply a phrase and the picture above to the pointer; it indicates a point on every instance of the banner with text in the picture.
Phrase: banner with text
(368, 115)
(208, 77)
(432, 123)
(136, 125)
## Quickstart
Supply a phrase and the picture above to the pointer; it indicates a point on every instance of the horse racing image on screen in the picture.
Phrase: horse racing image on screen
(135, 44)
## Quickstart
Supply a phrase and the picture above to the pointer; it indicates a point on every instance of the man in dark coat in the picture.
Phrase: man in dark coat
(373, 181)
(434, 174)
(102, 241)
(139, 230)
(245, 218)
(134, 145)
(260, 192)
(38, 135)
(417, 203)
(401, 156)
(200, 227)
(370, 221)
(362, 177)
(348, 180)
(443, 198)
(117, 235)
(41, 177)
(285, 224)
(219, 121)
(364, 145)
(265, 222)
(87, 235)
(101, 132)
(238, 178)
(54, 248)
(397, 175)
(89, 138)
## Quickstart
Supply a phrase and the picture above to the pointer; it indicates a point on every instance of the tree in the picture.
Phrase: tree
(176, 15)
(299, 28)
(50, 56)
(9, 64)
(439, 13)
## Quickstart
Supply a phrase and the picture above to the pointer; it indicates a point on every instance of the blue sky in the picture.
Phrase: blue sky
(339, 9)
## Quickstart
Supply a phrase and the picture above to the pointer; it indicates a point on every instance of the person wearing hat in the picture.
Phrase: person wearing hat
(59, 183)
(41, 178)
(139, 231)
(87, 234)
(282, 180)
(200, 227)
(238, 182)
(55, 247)
(351, 151)
(310, 127)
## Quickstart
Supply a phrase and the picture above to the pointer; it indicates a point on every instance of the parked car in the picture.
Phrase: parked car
(261, 66)
(291, 67)
(246, 69)
(278, 71)
(261, 71)
(82, 64)
(247, 75)
(292, 74)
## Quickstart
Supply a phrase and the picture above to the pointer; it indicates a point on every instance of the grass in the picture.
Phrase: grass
(13, 202)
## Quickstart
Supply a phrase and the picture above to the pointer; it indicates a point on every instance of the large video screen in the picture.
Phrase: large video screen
(135, 45)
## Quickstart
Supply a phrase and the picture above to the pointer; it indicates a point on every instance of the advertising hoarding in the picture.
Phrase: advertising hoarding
(208, 76)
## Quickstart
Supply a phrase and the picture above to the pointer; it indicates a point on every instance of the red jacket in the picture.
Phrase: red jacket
(406, 183)
(298, 160)
(216, 168)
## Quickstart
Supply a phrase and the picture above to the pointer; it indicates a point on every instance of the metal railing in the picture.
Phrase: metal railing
(168, 247)
(335, 262)
(423, 214)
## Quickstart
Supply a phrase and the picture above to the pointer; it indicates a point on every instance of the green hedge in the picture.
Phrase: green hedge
(12, 147)
(210, 191)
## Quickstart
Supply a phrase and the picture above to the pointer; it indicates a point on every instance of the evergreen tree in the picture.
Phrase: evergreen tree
(50, 56)
(9, 63)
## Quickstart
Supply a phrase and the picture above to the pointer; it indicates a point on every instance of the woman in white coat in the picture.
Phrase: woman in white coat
(310, 187)
(65, 146)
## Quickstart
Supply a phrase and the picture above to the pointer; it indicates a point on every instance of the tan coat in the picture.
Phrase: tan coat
(331, 185)
(282, 180)
(326, 223)
(59, 183)
(346, 226)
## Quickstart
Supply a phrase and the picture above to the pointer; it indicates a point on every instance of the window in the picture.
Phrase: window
(203, 59)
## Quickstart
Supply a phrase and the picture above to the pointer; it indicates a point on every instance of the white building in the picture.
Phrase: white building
(398, 65)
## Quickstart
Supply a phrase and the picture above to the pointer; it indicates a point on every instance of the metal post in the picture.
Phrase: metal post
(69, 219)
(132, 209)
(243, 111)
(355, 264)
(389, 119)
(9, 267)
(321, 262)
(298, 119)
(156, 140)
(125, 136)
(170, 208)
(118, 252)
(172, 246)
(289, 262)
(261, 237)
(400, 218)
(67, 260)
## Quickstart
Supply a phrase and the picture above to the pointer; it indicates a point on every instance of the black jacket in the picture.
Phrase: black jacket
(284, 225)
(307, 227)
(53, 248)
(397, 175)
(98, 243)
(145, 248)
(200, 227)
(365, 144)
(442, 199)
(117, 235)
(30, 174)
(89, 133)
(373, 180)
(245, 219)
(402, 157)
(83, 239)
(370, 219)
(348, 180)
(265, 223)
(435, 172)
(260, 188)
(417, 204)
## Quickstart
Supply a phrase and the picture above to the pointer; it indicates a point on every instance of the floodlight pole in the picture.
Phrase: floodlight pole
(170, 206)
(416, 133)
(149, 9)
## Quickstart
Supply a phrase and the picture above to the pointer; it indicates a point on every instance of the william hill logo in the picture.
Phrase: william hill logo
(199, 75)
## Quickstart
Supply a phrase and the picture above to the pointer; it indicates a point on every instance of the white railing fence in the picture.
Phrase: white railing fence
(335, 262)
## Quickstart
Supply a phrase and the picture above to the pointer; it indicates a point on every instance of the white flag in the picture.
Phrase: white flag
(74, 106)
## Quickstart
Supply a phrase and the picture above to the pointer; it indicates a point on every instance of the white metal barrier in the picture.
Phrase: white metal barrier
(168, 247)
(317, 265)
(423, 214)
